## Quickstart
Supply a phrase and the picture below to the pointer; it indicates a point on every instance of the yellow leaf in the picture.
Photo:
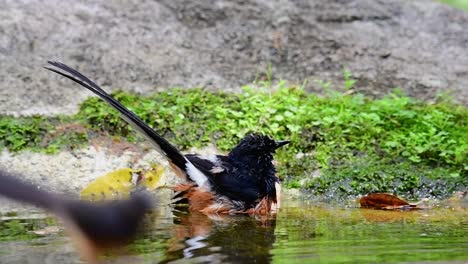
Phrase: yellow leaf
(114, 185)
(152, 178)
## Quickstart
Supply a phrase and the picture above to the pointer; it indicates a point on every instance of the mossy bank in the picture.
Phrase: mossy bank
(343, 144)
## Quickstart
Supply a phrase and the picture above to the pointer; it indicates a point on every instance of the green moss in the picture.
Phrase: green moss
(23, 132)
(347, 144)
(462, 4)
(38, 133)
(12, 230)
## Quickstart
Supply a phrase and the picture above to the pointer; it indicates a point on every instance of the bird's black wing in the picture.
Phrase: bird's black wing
(167, 149)
(225, 179)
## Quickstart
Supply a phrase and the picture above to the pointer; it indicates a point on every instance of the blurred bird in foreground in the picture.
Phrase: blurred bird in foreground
(244, 181)
(93, 227)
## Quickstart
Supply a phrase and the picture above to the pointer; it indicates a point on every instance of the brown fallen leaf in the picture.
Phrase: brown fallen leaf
(385, 201)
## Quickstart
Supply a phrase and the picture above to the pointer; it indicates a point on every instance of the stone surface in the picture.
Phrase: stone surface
(420, 46)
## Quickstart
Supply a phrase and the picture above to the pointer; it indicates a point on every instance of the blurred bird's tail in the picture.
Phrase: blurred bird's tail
(15, 189)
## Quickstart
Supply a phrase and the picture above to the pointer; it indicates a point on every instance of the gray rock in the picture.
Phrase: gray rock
(419, 46)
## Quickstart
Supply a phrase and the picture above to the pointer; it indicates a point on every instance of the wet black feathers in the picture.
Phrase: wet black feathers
(228, 179)
(246, 174)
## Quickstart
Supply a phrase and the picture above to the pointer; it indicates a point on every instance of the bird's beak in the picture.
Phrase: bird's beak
(282, 143)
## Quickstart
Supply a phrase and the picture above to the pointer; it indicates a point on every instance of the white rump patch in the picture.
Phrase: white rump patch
(197, 176)
(216, 170)
(215, 160)
(276, 207)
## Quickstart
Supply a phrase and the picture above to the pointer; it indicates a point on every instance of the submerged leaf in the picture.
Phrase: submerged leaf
(119, 183)
(152, 178)
(116, 184)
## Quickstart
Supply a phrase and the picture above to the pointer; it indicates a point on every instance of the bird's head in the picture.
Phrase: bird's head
(257, 145)
(255, 153)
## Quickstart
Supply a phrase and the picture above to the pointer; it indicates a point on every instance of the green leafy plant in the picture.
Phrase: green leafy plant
(462, 4)
(17, 133)
(348, 80)
(22, 229)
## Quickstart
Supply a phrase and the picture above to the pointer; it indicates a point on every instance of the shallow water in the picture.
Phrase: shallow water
(301, 233)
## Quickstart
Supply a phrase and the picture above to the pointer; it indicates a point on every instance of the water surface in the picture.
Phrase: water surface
(301, 233)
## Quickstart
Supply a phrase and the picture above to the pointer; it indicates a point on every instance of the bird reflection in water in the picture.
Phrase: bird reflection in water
(221, 239)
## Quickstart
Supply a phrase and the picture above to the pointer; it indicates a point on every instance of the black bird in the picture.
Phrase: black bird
(94, 227)
(244, 181)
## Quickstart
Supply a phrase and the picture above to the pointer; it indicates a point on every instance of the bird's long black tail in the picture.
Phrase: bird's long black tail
(161, 144)
(15, 189)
